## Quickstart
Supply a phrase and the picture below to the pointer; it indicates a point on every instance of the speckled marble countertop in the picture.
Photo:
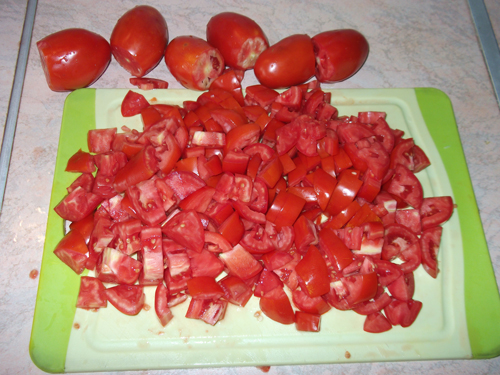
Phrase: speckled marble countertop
(421, 43)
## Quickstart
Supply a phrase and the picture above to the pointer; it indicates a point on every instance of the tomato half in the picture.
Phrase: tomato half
(139, 39)
(339, 54)
(73, 58)
(193, 62)
(239, 38)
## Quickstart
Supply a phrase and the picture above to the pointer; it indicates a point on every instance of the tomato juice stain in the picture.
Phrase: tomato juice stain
(33, 274)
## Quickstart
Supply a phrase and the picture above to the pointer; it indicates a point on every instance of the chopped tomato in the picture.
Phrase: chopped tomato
(275, 304)
(241, 263)
(313, 273)
(128, 299)
(307, 322)
(92, 294)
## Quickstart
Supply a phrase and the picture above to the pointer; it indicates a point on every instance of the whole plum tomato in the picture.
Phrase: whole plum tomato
(139, 39)
(339, 54)
(73, 58)
(287, 63)
(193, 62)
(239, 38)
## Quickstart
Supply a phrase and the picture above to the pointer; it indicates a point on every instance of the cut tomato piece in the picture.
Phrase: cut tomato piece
(276, 306)
(405, 185)
(337, 252)
(186, 229)
(128, 299)
(313, 273)
(204, 287)
(376, 323)
(307, 322)
(241, 263)
(429, 243)
(141, 167)
(207, 310)
(162, 308)
(133, 103)
(81, 162)
(316, 305)
(435, 211)
(92, 294)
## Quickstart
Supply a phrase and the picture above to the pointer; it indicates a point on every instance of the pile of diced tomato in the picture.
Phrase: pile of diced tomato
(264, 194)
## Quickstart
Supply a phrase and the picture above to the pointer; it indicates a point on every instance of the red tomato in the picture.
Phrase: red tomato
(287, 63)
(100, 140)
(429, 242)
(208, 310)
(276, 305)
(307, 322)
(82, 162)
(73, 58)
(338, 254)
(204, 287)
(403, 287)
(73, 259)
(402, 313)
(139, 39)
(77, 204)
(92, 294)
(186, 229)
(241, 263)
(313, 273)
(161, 304)
(193, 62)
(435, 211)
(128, 299)
(133, 104)
(405, 185)
(339, 54)
(238, 38)
(141, 167)
(361, 287)
(376, 323)
(235, 290)
(303, 302)
(401, 242)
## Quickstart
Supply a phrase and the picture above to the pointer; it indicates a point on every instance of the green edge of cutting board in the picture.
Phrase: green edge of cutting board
(53, 314)
(482, 300)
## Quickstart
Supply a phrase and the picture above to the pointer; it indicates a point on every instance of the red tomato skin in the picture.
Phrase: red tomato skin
(73, 58)
(128, 299)
(376, 323)
(239, 39)
(139, 39)
(313, 271)
(276, 306)
(193, 62)
(339, 54)
(287, 63)
(81, 162)
(307, 322)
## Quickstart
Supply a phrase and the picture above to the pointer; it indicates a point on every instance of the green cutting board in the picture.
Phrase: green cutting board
(460, 317)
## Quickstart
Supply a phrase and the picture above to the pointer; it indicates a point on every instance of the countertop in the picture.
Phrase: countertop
(421, 43)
